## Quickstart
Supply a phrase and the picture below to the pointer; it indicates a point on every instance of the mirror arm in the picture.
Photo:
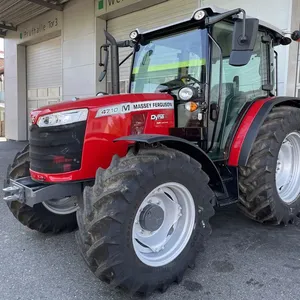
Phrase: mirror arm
(215, 19)
(105, 64)
(126, 44)
(244, 37)
(105, 48)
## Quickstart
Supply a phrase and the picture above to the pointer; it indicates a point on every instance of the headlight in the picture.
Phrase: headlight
(63, 118)
(186, 93)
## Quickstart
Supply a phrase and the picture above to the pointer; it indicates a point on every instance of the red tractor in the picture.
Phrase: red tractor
(140, 173)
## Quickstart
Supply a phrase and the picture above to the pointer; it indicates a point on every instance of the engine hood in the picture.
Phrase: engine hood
(95, 102)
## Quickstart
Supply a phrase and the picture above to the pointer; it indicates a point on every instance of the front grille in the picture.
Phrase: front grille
(56, 149)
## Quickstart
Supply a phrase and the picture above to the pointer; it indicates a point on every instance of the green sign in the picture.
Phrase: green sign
(101, 4)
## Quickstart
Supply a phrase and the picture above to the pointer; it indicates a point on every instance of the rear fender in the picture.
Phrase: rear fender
(250, 126)
(186, 147)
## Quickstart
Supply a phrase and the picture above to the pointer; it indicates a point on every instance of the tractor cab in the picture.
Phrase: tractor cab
(213, 65)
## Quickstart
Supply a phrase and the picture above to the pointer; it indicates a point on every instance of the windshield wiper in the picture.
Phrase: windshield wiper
(122, 62)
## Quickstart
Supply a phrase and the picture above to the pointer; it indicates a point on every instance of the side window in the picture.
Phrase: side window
(239, 84)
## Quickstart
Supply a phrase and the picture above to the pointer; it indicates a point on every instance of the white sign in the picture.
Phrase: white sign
(40, 26)
(126, 108)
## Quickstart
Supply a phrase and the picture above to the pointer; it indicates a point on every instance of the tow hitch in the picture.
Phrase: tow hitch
(30, 192)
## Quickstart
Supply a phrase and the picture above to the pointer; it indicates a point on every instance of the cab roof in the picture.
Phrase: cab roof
(212, 10)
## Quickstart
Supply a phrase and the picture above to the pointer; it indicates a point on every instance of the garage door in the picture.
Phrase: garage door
(44, 73)
(152, 17)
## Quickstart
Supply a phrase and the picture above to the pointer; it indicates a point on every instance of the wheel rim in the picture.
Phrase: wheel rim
(163, 224)
(288, 168)
(63, 206)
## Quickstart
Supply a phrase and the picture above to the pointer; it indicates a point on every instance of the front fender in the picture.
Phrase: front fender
(186, 147)
(250, 126)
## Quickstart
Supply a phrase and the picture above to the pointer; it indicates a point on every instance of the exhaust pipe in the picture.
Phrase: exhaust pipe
(115, 75)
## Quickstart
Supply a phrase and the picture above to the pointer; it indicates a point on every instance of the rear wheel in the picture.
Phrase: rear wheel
(270, 183)
(50, 216)
(144, 220)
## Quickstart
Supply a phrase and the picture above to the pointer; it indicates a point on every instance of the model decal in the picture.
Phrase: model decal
(125, 108)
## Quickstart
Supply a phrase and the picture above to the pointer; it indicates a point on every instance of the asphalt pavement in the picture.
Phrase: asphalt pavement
(242, 260)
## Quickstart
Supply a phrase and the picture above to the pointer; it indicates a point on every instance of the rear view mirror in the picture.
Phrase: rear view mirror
(243, 41)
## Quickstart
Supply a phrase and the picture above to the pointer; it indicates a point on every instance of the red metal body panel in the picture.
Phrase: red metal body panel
(99, 147)
(241, 133)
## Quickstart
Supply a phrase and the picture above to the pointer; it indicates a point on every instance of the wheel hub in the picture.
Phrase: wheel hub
(163, 224)
(288, 168)
(152, 217)
(63, 206)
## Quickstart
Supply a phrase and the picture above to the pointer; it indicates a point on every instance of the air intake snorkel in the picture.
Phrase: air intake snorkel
(115, 75)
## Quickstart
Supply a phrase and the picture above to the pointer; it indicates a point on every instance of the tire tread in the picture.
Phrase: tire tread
(256, 199)
(110, 202)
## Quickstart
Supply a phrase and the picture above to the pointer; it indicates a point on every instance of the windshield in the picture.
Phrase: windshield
(163, 62)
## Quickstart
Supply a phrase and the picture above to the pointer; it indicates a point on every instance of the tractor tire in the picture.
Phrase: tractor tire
(38, 217)
(114, 217)
(270, 183)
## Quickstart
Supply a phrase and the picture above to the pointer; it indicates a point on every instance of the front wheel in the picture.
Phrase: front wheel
(52, 216)
(144, 220)
(270, 183)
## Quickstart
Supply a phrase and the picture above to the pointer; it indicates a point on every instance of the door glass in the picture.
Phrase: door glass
(239, 84)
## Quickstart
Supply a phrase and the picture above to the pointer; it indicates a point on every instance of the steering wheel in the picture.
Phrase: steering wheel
(175, 87)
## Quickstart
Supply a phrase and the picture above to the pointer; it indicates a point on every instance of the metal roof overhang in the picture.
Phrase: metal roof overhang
(15, 12)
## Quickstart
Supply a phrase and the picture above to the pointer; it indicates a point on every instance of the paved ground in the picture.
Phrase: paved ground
(243, 260)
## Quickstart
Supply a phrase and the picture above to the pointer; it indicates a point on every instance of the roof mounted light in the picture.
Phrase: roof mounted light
(134, 34)
(199, 15)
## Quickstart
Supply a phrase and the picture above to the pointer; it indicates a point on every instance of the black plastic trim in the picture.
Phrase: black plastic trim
(258, 121)
(48, 143)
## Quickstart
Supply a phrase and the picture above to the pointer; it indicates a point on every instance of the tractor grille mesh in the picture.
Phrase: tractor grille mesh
(56, 149)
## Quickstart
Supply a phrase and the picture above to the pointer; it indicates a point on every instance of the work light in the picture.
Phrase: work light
(133, 35)
(186, 93)
(199, 15)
